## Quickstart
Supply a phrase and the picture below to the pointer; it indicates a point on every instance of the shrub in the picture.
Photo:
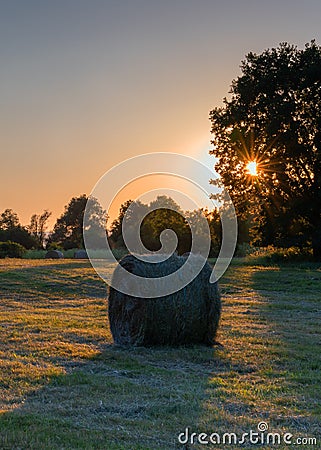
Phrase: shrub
(34, 254)
(19, 235)
(276, 255)
(11, 250)
(69, 253)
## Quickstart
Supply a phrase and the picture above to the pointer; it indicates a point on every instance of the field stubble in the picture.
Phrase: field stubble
(64, 385)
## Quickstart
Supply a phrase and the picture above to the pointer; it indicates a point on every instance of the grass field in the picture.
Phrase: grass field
(65, 386)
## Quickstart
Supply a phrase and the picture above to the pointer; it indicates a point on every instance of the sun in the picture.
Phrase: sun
(251, 168)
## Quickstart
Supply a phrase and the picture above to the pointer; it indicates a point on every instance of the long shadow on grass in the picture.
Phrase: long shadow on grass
(271, 334)
(290, 305)
(120, 398)
(51, 280)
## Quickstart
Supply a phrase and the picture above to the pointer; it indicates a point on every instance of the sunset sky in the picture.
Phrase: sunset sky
(87, 84)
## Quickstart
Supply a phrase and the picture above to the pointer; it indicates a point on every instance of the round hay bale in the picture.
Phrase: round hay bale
(54, 254)
(188, 316)
(80, 254)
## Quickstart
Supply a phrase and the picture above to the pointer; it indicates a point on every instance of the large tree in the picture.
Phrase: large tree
(161, 214)
(273, 119)
(137, 209)
(166, 214)
(68, 230)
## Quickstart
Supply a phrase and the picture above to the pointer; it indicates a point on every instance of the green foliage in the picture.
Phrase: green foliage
(137, 209)
(161, 214)
(119, 253)
(68, 230)
(19, 235)
(11, 250)
(34, 254)
(275, 255)
(274, 118)
(243, 250)
(69, 253)
(12, 230)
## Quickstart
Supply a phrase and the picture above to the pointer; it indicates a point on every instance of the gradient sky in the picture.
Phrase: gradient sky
(87, 84)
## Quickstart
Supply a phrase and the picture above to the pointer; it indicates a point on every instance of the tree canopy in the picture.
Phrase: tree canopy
(68, 230)
(273, 120)
(9, 219)
(161, 214)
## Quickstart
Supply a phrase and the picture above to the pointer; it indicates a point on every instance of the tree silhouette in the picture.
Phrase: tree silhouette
(273, 119)
(68, 230)
(38, 225)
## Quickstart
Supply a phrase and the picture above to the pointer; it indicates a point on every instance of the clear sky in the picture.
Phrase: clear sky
(87, 84)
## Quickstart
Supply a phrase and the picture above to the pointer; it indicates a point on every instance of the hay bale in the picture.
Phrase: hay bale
(80, 254)
(54, 254)
(189, 316)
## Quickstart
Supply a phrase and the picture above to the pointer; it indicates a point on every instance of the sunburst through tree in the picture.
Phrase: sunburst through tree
(267, 141)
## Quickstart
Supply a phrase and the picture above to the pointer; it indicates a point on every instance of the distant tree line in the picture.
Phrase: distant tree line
(31, 236)
(161, 214)
(67, 232)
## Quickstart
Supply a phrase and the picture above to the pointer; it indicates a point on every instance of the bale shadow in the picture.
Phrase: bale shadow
(120, 398)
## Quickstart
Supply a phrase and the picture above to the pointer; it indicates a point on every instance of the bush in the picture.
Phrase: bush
(19, 235)
(68, 253)
(11, 250)
(34, 254)
(276, 255)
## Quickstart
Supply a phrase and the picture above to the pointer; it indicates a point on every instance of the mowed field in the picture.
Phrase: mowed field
(65, 386)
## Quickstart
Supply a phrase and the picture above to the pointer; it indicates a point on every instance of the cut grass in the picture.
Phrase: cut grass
(64, 385)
